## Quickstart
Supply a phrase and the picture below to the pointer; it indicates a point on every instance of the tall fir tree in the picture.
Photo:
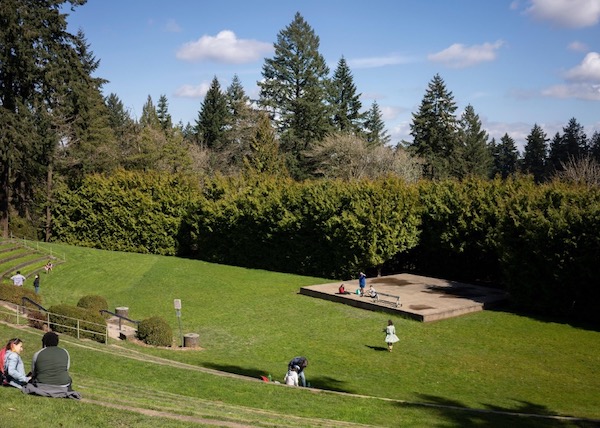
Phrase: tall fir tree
(242, 121)
(506, 157)
(294, 91)
(149, 117)
(213, 118)
(595, 146)
(474, 157)
(89, 143)
(164, 118)
(571, 146)
(345, 102)
(38, 62)
(434, 130)
(374, 131)
(535, 154)
(263, 156)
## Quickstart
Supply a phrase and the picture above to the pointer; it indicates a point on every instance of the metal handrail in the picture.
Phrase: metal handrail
(121, 317)
(34, 303)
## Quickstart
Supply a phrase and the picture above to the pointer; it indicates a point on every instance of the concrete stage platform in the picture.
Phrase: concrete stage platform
(421, 298)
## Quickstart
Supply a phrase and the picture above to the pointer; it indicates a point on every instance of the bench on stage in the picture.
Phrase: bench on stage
(387, 298)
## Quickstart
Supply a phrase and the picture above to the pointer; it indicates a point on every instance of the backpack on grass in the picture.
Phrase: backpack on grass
(3, 378)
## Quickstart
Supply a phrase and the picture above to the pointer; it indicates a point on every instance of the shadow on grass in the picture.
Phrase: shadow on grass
(326, 383)
(579, 324)
(243, 371)
(525, 414)
(376, 348)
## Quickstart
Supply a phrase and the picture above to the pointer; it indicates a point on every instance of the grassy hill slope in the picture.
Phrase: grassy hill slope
(252, 322)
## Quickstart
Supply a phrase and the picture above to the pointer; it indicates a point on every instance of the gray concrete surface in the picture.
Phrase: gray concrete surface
(421, 298)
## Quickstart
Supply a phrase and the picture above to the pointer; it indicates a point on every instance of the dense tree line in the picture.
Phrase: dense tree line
(305, 166)
(539, 241)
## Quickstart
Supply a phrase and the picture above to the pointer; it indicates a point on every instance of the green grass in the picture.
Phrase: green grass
(252, 322)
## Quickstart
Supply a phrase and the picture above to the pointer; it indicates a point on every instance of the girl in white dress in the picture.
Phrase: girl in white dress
(390, 335)
(291, 378)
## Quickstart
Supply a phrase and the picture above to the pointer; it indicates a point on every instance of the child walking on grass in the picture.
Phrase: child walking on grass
(390, 335)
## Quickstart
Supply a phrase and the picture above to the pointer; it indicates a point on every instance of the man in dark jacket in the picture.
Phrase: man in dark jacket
(50, 370)
(301, 362)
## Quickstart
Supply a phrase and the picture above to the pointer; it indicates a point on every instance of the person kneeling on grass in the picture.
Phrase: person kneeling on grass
(50, 371)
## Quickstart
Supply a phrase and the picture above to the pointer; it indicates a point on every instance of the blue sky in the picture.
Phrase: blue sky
(516, 62)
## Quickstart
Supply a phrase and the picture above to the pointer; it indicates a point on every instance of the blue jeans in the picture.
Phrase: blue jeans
(301, 378)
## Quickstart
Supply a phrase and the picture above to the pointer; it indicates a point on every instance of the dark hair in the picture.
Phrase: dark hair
(390, 322)
(12, 342)
(50, 339)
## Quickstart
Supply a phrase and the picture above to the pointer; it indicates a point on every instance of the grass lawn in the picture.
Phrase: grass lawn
(253, 322)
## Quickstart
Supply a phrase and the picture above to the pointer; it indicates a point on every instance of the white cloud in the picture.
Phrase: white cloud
(461, 56)
(566, 13)
(578, 46)
(224, 47)
(587, 71)
(190, 91)
(172, 26)
(583, 91)
(378, 61)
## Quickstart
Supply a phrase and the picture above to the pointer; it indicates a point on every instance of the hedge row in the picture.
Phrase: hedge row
(540, 241)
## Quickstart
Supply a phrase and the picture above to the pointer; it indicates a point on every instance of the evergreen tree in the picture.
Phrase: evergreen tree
(374, 130)
(534, 156)
(434, 130)
(88, 140)
(345, 102)
(149, 116)
(474, 157)
(294, 91)
(38, 62)
(264, 156)
(213, 118)
(572, 145)
(164, 118)
(595, 146)
(506, 157)
(243, 121)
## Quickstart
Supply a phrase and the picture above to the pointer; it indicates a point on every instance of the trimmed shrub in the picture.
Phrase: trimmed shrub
(63, 319)
(37, 319)
(155, 331)
(13, 294)
(94, 304)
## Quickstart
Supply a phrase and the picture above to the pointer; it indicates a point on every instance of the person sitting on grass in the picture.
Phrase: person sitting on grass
(49, 266)
(14, 369)
(50, 371)
(291, 377)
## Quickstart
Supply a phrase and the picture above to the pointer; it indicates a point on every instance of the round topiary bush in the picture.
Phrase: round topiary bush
(93, 303)
(155, 331)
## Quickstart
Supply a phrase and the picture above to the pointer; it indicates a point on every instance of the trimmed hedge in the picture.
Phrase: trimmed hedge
(13, 294)
(94, 304)
(155, 331)
(541, 242)
(63, 319)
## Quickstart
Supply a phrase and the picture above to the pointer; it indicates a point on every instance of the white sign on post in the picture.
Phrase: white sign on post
(177, 304)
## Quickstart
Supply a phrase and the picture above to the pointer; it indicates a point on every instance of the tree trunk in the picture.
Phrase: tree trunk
(49, 203)
(4, 200)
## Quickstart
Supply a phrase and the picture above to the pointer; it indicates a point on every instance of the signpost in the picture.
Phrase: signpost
(177, 305)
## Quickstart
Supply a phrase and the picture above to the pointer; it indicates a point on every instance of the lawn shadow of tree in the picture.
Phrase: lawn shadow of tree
(242, 371)
(525, 414)
(325, 383)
